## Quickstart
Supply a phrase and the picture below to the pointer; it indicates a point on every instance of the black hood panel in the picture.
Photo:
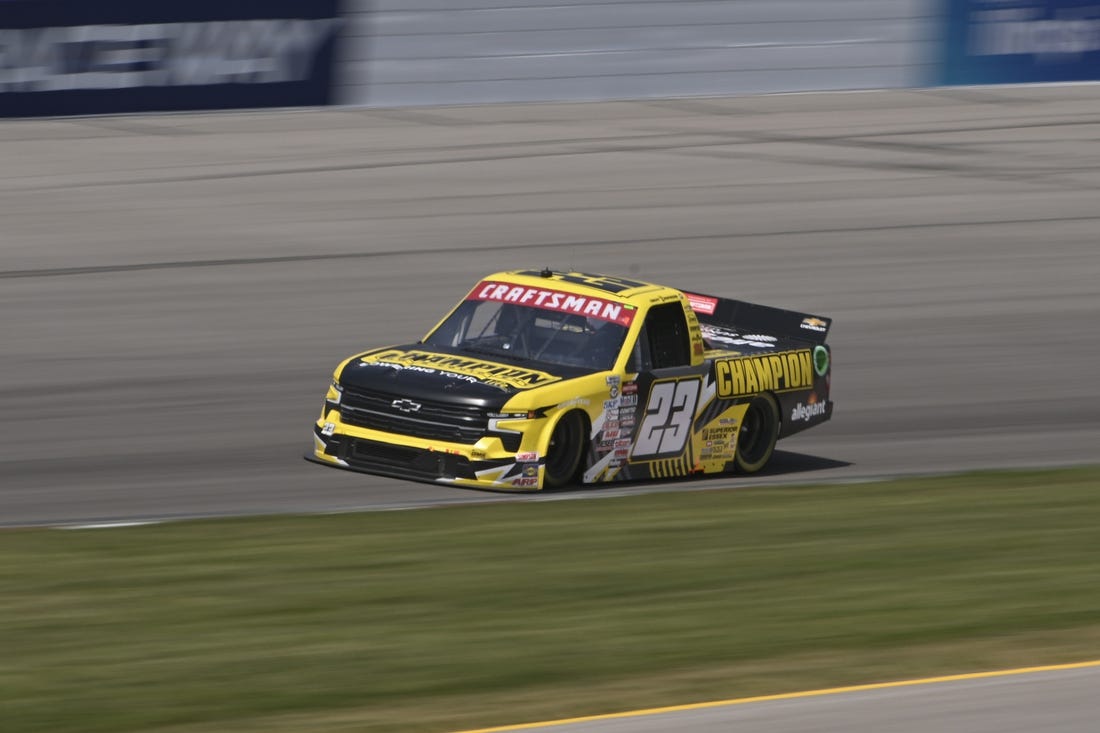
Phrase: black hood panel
(431, 373)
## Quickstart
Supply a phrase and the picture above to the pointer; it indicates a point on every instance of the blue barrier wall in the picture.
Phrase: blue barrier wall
(67, 57)
(1020, 41)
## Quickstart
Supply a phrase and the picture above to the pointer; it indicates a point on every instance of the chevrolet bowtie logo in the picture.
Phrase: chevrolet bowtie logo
(405, 405)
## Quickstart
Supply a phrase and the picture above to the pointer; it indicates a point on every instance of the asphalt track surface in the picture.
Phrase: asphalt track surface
(1061, 700)
(175, 290)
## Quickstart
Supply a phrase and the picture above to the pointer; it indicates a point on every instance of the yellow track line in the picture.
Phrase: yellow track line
(789, 696)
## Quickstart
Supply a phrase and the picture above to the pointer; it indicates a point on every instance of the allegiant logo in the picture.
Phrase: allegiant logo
(556, 300)
(808, 412)
(772, 373)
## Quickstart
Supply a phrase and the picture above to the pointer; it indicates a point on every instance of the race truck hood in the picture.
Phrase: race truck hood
(451, 375)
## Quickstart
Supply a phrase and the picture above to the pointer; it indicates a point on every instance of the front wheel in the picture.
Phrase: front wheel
(563, 457)
(759, 431)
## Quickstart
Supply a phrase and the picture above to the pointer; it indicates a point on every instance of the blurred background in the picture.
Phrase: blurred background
(64, 57)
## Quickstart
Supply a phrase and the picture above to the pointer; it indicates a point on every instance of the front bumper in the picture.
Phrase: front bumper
(480, 466)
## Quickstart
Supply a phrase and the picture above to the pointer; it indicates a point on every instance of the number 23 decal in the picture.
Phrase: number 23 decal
(666, 424)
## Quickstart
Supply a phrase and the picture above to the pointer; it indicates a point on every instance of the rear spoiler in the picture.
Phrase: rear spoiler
(754, 318)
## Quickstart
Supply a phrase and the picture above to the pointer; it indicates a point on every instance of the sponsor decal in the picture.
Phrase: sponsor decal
(807, 412)
(610, 425)
(814, 324)
(259, 51)
(68, 57)
(719, 335)
(821, 360)
(575, 402)
(1019, 41)
(622, 443)
(555, 300)
(630, 388)
(622, 453)
(702, 303)
(329, 428)
(527, 457)
(614, 391)
(485, 372)
(525, 482)
(610, 434)
(477, 453)
(629, 400)
(611, 404)
(613, 380)
(748, 375)
(720, 436)
(627, 423)
(531, 471)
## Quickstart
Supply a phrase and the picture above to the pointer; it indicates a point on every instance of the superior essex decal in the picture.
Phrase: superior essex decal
(556, 300)
(484, 371)
(774, 372)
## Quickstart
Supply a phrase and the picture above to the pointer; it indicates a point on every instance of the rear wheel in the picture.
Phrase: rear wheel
(563, 457)
(759, 431)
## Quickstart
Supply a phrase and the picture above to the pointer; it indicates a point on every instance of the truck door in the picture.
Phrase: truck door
(660, 404)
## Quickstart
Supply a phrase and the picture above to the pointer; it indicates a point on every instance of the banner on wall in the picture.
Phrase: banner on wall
(1021, 41)
(75, 57)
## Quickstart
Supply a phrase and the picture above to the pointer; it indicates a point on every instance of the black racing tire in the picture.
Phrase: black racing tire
(758, 433)
(566, 451)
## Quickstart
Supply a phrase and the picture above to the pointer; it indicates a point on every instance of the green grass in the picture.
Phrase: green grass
(453, 618)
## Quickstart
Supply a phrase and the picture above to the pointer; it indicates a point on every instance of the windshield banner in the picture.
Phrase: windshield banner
(74, 57)
(555, 300)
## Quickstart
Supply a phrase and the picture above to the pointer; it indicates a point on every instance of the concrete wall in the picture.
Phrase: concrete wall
(417, 52)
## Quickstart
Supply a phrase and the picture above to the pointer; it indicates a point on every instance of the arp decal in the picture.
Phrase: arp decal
(666, 422)
(776, 373)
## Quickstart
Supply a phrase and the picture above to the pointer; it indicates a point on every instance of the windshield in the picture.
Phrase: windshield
(558, 328)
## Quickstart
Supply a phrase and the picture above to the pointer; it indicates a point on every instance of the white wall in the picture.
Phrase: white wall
(421, 52)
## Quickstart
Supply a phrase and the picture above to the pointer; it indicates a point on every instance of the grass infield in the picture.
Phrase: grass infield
(463, 617)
